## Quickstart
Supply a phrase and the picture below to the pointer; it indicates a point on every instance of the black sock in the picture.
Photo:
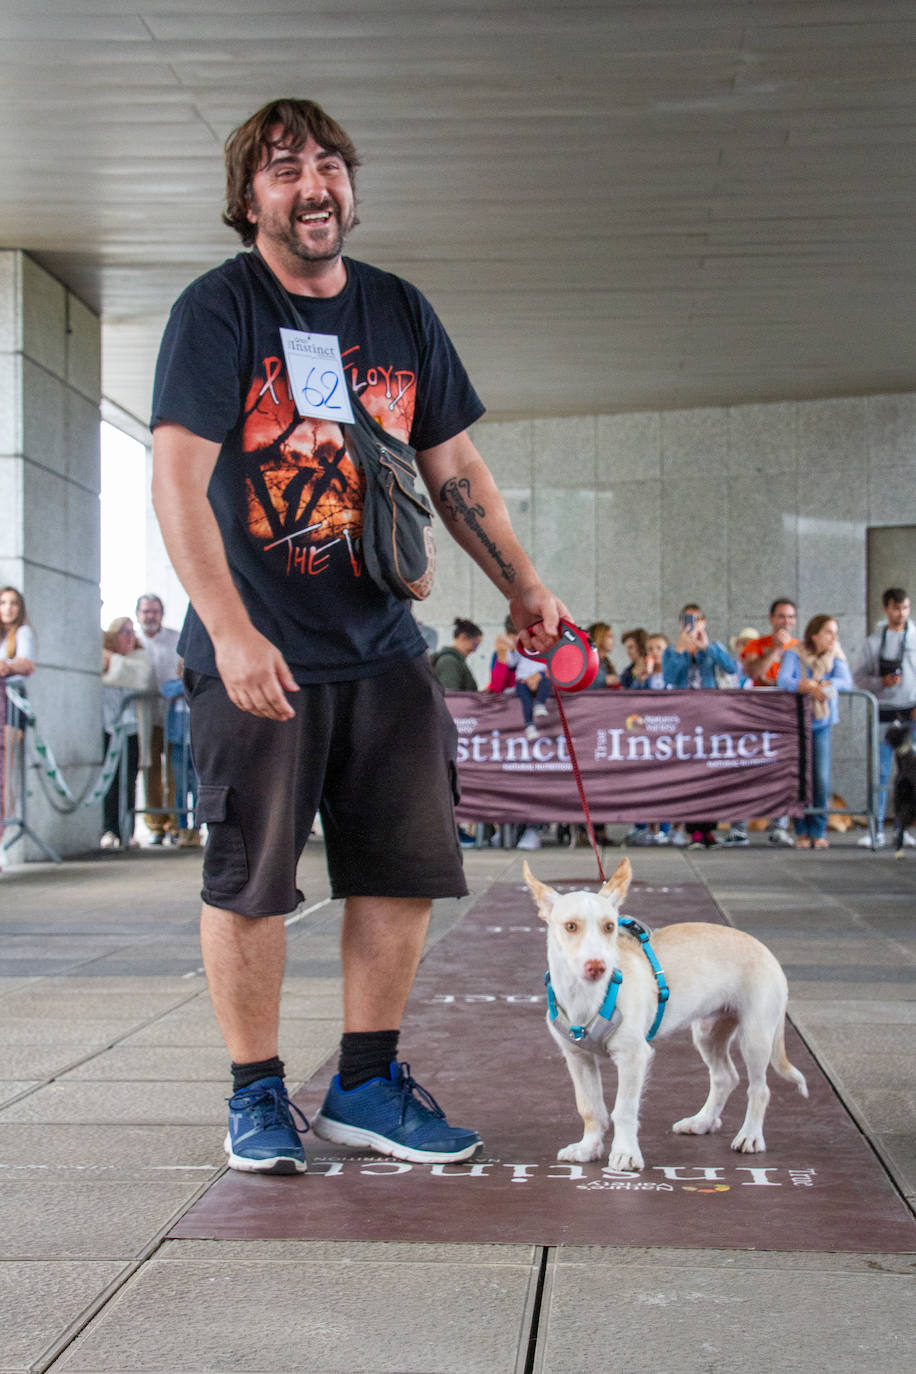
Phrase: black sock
(243, 1074)
(365, 1055)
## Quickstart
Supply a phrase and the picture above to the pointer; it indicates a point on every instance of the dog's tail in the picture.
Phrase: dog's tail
(780, 1062)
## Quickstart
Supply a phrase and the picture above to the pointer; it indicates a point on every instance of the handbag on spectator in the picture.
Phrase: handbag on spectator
(398, 547)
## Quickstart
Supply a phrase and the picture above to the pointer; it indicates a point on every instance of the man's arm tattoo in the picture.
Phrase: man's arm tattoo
(454, 496)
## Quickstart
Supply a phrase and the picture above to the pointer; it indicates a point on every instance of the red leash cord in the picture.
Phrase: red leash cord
(578, 776)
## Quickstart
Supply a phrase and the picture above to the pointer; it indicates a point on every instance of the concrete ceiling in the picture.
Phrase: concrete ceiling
(612, 206)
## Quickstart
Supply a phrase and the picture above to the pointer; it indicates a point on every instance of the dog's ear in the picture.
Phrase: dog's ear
(618, 884)
(544, 896)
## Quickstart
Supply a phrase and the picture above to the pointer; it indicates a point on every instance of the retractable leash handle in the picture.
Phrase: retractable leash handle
(572, 663)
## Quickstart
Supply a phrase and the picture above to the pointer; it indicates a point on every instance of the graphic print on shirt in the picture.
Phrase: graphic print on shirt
(303, 492)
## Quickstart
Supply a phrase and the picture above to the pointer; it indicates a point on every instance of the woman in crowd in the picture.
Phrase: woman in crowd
(17, 662)
(126, 670)
(817, 667)
(602, 636)
(634, 644)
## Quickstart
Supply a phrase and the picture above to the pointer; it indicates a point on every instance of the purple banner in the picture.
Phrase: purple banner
(644, 756)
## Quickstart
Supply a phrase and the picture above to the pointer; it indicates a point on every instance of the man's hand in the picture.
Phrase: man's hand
(256, 676)
(537, 613)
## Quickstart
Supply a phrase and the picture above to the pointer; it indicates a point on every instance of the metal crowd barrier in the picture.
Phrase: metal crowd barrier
(180, 778)
(873, 785)
(14, 793)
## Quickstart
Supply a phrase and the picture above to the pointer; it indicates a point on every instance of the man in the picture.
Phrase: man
(310, 686)
(161, 645)
(451, 663)
(887, 668)
(760, 660)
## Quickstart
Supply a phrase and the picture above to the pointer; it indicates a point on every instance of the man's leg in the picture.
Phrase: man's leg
(381, 945)
(243, 960)
(152, 778)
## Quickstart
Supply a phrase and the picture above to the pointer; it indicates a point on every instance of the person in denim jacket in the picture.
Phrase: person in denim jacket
(693, 660)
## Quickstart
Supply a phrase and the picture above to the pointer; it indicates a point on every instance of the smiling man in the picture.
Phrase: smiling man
(309, 686)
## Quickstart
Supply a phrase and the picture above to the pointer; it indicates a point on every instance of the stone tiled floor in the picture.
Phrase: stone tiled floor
(111, 1120)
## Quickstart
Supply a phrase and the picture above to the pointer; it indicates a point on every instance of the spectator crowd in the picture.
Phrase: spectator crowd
(809, 661)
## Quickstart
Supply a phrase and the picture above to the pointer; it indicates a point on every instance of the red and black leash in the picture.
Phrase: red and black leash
(577, 773)
(572, 665)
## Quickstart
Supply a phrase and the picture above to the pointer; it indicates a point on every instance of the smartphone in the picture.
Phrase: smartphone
(688, 620)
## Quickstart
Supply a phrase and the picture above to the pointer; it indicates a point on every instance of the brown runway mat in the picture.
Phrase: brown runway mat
(476, 1036)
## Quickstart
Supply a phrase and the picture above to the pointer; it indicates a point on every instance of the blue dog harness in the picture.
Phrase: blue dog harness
(607, 1018)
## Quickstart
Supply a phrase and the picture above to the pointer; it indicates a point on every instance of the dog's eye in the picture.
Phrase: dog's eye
(572, 927)
(610, 927)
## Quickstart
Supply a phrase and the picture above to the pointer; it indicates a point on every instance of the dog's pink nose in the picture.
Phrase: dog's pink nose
(594, 969)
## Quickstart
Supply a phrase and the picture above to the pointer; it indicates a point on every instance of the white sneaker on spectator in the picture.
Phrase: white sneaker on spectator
(660, 838)
(529, 838)
(880, 841)
(531, 732)
(677, 838)
(109, 840)
(780, 836)
(908, 841)
(540, 711)
(736, 838)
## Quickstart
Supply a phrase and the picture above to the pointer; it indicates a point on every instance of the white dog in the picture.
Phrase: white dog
(723, 984)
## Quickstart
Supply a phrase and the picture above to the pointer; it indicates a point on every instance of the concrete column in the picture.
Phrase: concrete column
(50, 381)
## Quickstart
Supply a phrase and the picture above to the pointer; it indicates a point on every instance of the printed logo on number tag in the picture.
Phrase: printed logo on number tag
(316, 375)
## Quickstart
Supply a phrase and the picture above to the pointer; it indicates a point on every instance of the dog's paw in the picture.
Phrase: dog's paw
(624, 1161)
(581, 1152)
(748, 1144)
(697, 1125)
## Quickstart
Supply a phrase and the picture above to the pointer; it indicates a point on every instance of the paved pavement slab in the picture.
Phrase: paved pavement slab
(735, 1318)
(40, 1298)
(304, 1316)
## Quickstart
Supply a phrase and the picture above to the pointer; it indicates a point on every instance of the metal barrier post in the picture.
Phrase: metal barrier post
(871, 810)
(16, 826)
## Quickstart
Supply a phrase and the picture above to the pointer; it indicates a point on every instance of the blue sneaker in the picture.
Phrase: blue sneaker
(394, 1116)
(262, 1137)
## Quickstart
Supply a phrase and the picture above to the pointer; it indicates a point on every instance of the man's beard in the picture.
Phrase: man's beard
(305, 251)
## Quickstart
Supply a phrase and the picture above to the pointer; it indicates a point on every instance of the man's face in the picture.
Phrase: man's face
(783, 617)
(302, 201)
(898, 613)
(149, 614)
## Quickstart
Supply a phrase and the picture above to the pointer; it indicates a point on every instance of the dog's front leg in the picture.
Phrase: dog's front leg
(632, 1065)
(586, 1076)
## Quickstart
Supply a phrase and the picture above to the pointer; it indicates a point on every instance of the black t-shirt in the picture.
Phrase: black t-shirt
(287, 498)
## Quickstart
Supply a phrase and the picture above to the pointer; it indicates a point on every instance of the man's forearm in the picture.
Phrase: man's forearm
(475, 515)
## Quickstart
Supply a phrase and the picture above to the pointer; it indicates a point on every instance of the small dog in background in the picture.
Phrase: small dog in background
(900, 737)
(724, 984)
